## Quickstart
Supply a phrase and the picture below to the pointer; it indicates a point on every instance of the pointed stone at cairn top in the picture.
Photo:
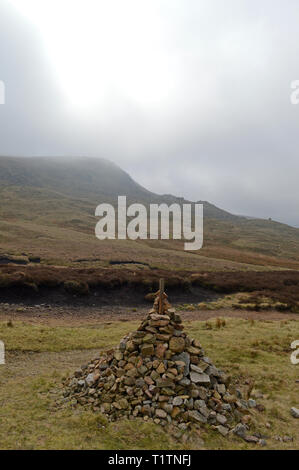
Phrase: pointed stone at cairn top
(161, 305)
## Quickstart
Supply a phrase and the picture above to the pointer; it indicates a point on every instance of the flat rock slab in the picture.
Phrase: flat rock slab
(196, 369)
(202, 379)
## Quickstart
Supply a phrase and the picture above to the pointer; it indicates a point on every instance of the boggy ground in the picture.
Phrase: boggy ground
(46, 343)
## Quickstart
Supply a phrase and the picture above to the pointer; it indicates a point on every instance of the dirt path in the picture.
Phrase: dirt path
(53, 315)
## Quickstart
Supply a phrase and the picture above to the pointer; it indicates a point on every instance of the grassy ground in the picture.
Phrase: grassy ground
(39, 356)
(239, 301)
(65, 246)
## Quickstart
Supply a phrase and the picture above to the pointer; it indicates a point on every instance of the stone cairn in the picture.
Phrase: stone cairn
(160, 374)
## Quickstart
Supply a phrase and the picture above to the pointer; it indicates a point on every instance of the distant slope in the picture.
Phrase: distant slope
(47, 209)
(74, 177)
(93, 178)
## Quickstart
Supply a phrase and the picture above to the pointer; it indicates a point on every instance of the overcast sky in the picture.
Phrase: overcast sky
(191, 97)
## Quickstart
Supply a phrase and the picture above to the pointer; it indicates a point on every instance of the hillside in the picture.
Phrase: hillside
(47, 210)
(86, 178)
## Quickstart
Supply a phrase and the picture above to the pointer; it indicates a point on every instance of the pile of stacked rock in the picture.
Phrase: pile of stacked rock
(159, 373)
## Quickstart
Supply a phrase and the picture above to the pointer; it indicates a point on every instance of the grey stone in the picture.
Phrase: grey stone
(240, 430)
(177, 333)
(196, 416)
(251, 403)
(213, 371)
(177, 401)
(221, 388)
(196, 369)
(202, 393)
(226, 407)
(199, 404)
(221, 419)
(190, 404)
(168, 408)
(207, 360)
(161, 413)
(185, 381)
(199, 378)
(140, 383)
(295, 412)
(183, 426)
(204, 411)
(184, 357)
(122, 346)
(89, 379)
(262, 443)
(223, 430)
(252, 439)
